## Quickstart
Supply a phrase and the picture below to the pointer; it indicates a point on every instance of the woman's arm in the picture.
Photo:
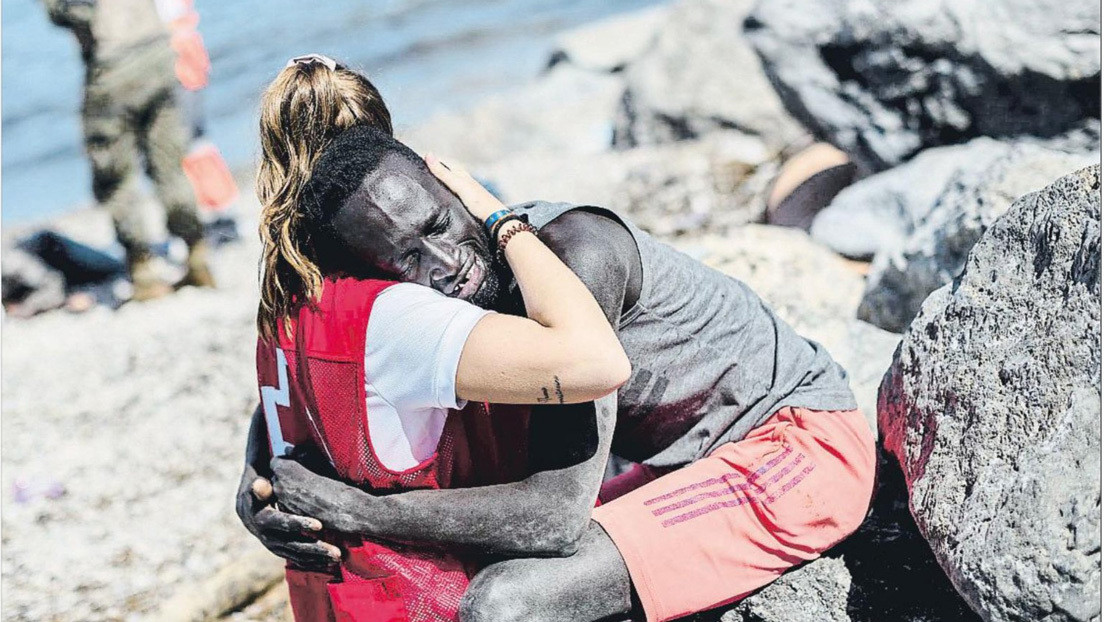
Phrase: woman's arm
(543, 514)
(564, 352)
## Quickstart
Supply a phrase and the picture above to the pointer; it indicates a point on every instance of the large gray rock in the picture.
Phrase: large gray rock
(700, 75)
(711, 184)
(884, 79)
(610, 44)
(879, 212)
(815, 592)
(992, 409)
(935, 252)
(567, 111)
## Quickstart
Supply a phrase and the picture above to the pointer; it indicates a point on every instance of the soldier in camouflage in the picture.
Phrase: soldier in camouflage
(130, 108)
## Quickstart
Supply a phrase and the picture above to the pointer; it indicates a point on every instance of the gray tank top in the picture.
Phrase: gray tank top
(710, 360)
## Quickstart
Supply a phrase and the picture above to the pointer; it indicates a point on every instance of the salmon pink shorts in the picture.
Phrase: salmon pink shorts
(720, 528)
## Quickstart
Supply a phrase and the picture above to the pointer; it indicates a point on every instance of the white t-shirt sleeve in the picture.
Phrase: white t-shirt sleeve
(415, 337)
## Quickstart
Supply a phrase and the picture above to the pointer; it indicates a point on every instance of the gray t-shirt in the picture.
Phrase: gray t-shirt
(710, 360)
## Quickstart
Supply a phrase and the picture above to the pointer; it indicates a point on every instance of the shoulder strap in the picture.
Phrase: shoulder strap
(334, 328)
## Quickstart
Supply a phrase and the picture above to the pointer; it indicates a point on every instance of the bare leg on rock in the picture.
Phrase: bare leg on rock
(593, 584)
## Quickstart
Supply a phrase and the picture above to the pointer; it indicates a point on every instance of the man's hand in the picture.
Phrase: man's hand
(291, 537)
(71, 13)
(337, 505)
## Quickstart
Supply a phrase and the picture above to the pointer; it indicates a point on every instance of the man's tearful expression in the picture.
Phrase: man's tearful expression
(403, 222)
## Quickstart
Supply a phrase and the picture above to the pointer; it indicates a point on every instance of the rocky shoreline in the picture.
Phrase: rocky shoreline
(125, 428)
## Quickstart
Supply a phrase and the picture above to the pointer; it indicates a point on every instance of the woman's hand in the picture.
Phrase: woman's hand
(471, 193)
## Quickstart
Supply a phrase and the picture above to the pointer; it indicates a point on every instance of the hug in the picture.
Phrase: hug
(442, 380)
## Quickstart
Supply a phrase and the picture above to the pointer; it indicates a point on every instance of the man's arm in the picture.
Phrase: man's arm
(70, 13)
(602, 252)
(544, 514)
(282, 534)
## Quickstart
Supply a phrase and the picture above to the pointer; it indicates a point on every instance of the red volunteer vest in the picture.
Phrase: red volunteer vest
(312, 390)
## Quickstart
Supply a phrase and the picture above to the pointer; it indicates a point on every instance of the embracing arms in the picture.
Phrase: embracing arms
(541, 515)
(544, 514)
(565, 351)
(286, 535)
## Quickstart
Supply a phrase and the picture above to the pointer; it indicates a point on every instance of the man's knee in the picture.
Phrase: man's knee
(854, 515)
(499, 595)
(490, 599)
(852, 490)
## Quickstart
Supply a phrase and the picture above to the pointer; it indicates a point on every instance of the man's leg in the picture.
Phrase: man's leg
(702, 536)
(593, 584)
(110, 142)
(716, 530)
(164, 142)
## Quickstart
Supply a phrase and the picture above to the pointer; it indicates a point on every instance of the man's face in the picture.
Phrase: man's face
(404, 223)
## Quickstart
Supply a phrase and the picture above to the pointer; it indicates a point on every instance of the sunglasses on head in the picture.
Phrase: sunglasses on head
(313, 58)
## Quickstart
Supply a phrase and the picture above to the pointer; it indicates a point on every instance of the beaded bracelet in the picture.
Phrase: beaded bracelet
(506, 237)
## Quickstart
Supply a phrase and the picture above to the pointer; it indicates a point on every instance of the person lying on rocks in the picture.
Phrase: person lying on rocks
(752, 455)
(46, 270)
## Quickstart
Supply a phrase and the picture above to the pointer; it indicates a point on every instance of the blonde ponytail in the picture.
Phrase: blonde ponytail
(305, 107)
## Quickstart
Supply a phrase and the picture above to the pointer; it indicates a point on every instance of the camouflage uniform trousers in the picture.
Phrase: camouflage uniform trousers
(130, 110)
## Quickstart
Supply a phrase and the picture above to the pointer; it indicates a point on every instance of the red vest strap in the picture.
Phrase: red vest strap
(334, 328)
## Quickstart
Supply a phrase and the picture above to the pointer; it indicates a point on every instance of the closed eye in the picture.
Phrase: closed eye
(440, 225)
(409, 263)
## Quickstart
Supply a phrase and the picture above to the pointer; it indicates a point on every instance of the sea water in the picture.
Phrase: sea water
(424, 55)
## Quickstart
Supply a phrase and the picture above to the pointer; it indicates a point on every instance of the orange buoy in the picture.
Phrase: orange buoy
(192, 62)
(214, 185)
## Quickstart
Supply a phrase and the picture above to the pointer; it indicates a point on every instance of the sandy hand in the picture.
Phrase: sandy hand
(289, 536)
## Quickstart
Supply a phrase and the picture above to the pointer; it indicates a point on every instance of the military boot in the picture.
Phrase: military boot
(199, 272)
(143, 275)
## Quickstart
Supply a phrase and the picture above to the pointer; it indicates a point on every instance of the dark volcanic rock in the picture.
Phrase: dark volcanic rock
(884, 79)
(992, 408)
